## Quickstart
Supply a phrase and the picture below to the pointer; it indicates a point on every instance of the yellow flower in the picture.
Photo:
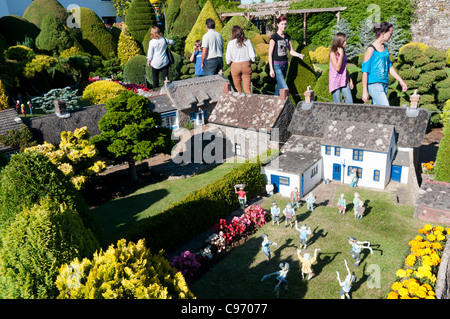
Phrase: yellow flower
(418, 238)
(410, 260)
(392, 295)
(421, 293)
(428, 227)
(401, 273)
(66, 168)
(403, 292)
(440, 237)
(431, 237)
(396, 286)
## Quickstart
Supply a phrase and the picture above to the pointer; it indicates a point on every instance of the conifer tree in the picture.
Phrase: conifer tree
(3, 97)
(398, 38)
(189, 11)
(53, 36)
(139, 18)
(343, 26)
(127, 46)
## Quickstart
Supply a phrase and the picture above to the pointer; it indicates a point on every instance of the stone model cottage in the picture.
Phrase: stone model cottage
(328, 140)
(9, 121)
(252, 123)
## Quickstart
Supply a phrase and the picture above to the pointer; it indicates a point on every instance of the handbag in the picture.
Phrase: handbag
(169, 54)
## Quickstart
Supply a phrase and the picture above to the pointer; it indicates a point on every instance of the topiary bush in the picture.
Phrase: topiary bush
(127, 47)
(99, 92)
(250, 31)
(188, 13)
(53, 37)
(442, 166)
(127, 271)
(39, 240)
(38, 9)
(139, 19)
(321, 89)
(300, 75)
(134, 71)
(320, 55)
(16, 29)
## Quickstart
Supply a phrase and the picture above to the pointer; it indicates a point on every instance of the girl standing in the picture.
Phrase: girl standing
(376, 67)
(279, 45)
(240, 55)
(157, 57)
(339, 80)
(196, 57)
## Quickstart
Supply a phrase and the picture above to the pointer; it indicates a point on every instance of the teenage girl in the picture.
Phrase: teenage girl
(339, 78)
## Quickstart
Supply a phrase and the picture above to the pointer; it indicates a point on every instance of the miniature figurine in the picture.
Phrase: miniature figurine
(342, 204)
(275, 211)
(265, 246)
(357, 246)
(304, 233)
(30, 107)
(242, 195)
(354, 178)
(347, 283)
(359, 213)
(356, 203)
(18, 106)
(269, 189)
(281, 278)
(295, 198)
(307, 260)
(310, 200)
(289, 213)
(22, 108)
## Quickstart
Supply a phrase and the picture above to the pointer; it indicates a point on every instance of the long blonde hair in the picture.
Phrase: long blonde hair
(155, 33)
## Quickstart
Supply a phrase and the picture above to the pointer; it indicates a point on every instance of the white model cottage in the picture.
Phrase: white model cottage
(330, 139)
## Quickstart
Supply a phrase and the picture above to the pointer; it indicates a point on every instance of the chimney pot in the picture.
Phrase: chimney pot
(60, 107)
(284, 94)
(309, 95)
(414, 99)
(226, 88)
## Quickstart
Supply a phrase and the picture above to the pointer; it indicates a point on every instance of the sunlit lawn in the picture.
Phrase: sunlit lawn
(388, 226)
(118, 215)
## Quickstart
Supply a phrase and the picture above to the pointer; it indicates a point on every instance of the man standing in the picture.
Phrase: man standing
(212, 49)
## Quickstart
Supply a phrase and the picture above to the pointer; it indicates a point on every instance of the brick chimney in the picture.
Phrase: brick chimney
(414, 99)
(309, 95)
(60, 107)
(284, 94)
(226, 88)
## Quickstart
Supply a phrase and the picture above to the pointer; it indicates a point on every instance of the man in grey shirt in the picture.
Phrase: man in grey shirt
(212, 49)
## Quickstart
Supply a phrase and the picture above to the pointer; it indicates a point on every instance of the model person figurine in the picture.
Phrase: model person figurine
(307, 260)
(310, 200)
(347, 283)
(275, 211)
(269, 189)
(295, 197)
(289, 213)
(353, 178)
(265, 246)
(304, 233)
(281, 278)
(356, 203)
(242, 195)
(357, 246)
(342, 204)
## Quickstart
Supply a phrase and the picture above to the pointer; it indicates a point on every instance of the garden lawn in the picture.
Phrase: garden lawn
(122, 214)
(388, 226)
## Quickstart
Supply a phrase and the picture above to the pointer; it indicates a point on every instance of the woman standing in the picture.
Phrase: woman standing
(376, 67)
(157, 57)
(279, 45)
(339, 80)
(240, 55)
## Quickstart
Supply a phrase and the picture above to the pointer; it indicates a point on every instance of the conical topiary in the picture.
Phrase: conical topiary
(199, 29)
(189, 11)
(250, 30)
(139, 18)
(321, 89)
(38, 9)
(300, 75)
(171, 13)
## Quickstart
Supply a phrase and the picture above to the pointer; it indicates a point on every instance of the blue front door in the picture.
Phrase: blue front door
(275, 180)
(396, 174)
(337, 172)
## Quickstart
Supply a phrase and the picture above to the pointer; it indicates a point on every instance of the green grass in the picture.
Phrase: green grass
(388, 226)
(121, 214)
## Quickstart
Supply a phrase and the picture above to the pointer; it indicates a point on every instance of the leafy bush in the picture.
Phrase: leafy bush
(53, 36)
(442, 167)
(198, 30)
(38, 64)
(127, 47)
(39, 240)
(45, 102)
(16, 29)
(300, 75)
(188, 13)
(199, 210)
(134, 71)
(320, 55)
(38, 9)
(128, 271)
(3, 97)
(100, 92)
(321, 89)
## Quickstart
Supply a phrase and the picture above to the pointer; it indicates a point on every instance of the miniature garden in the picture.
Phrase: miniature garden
(66, 229)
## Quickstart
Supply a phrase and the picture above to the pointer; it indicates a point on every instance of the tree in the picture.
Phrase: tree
(36, 244)
(53, 36)
(140, 17)
(343, 26)
(300, 75)
(128, 271)
(121, 7)
(365, 35)
(131, 132)
(398, 38)
(127, 46)
(189, 11)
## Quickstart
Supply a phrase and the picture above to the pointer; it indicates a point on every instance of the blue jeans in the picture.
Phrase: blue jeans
(213, 66)
(346, 94)
(280, 75)
(378, 92)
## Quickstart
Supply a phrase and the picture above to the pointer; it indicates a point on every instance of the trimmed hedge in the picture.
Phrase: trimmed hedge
(16, 29)
(134, 71)
(37, 10)
(198, 211)
(442, 167)
(300, 75)
(139, 19)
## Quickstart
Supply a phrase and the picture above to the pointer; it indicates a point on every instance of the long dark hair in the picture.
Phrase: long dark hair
(378, 29)
(280, 19)
(338, 41)
(238, 34)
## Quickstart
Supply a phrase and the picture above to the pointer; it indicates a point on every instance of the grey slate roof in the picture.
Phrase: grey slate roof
(359, 135)
(242, 110)
(9, 121)
(302, 144)
(409, 131)
(293, 162)
(49, 127)
(161, 103)
(195, 91)
(401, 158)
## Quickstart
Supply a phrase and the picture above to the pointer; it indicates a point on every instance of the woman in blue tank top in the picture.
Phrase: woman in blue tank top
(376, 67)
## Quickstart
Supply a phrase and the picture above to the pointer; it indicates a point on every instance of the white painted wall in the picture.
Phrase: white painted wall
(285, 191)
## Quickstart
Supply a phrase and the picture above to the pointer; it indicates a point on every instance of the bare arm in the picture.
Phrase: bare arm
(271, 47)
(398, 78)
(335, 61)
(365, 95)
(204, 54)
(295, 53)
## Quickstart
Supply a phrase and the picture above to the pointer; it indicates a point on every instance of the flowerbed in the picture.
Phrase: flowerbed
(227, 235)
(428, 168)
(417, 279)
(129, 86)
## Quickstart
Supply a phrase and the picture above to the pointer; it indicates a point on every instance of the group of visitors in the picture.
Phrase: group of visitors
(208, 58)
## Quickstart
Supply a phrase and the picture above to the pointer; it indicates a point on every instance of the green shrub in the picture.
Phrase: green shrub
(95, 38)
(442, 166)
(171, 14)
(421, 61)
(53, 36)
(27, 179)
(199, 210)
(443, 95)
(189, 11)
(139, 19)
(249, 29)
(99, 92)
(198, 30)
(16, 29)
(134, 71)
(434, 54)
(38, 9)
(409, 54)
(321, 89)
(39, 64)
(39, 240)
(128, 271)
(445, 115)
(447, 56)
(300, 75)
(19, 53)
(127, 47)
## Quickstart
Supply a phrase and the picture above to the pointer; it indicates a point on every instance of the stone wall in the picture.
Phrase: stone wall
(432, 25)
(443, 277)
(432, 202)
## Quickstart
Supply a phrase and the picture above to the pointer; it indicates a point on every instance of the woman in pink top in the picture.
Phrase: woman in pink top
(339, 78)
